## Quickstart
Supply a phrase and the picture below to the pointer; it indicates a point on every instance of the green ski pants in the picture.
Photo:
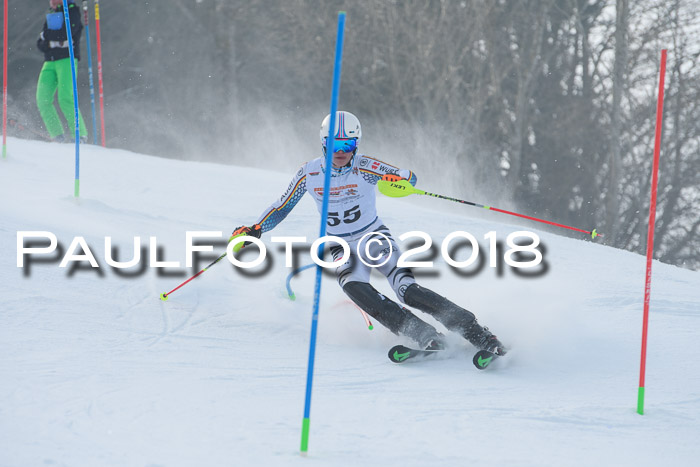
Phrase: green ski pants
(54, 76)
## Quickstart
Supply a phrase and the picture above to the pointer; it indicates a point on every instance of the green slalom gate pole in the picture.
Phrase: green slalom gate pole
(324, 215)
(401, 187)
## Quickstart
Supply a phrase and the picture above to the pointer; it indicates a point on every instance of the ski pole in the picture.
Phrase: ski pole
(292, 295)
(21, 127)
(164, 295)
(399, 187)
(366, 317)
(290, 292)
(92, 81)
(236, 249)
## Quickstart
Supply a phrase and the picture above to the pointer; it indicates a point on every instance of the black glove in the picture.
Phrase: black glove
(41, 43)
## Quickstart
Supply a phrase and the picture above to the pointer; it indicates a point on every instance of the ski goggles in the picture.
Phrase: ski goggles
(346, 145)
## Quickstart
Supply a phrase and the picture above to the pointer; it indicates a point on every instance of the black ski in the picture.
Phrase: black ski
(401, 353)
(483, 358)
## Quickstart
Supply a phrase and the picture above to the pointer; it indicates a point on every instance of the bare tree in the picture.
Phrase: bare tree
(546, 105)
(619, 85)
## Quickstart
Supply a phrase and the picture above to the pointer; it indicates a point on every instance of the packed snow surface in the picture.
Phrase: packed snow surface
(97, 371)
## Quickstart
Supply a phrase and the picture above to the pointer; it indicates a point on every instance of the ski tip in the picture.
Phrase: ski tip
(399, 353)
(483, 358)
(164, 297)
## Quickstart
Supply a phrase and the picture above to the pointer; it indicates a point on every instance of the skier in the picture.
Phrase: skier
(352, 215)
(56, 72)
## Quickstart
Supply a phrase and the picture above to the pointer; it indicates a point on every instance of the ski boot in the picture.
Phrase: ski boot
(483, 339)
(434, 344)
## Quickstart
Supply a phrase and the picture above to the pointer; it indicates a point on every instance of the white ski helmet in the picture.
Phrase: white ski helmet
(347, 126)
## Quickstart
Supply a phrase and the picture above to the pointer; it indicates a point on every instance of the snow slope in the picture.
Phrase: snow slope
(97, 371)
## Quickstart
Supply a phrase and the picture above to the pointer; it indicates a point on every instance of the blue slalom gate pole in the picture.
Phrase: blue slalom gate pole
(324, 216)
(86, 19)
(66, 16)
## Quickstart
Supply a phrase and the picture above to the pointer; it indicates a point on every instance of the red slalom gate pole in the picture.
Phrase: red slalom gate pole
(650, 234)
(99, 71)
(4, 86)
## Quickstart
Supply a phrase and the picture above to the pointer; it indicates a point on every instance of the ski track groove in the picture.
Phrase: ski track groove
(166, 309)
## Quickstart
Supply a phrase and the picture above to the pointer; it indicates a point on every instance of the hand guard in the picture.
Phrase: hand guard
(253, 231)
(392, 178)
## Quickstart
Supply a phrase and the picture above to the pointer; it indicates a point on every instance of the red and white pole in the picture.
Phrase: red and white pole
(650, 235)
(99, 70)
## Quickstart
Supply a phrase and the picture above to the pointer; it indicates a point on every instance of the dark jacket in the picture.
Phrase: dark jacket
(54, 43)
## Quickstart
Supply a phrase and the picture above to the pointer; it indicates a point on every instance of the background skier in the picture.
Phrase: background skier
(56, 72)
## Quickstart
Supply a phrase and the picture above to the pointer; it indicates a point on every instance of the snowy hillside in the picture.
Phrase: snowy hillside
(97, 371)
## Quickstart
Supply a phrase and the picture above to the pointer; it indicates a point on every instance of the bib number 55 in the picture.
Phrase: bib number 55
(351, 215)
